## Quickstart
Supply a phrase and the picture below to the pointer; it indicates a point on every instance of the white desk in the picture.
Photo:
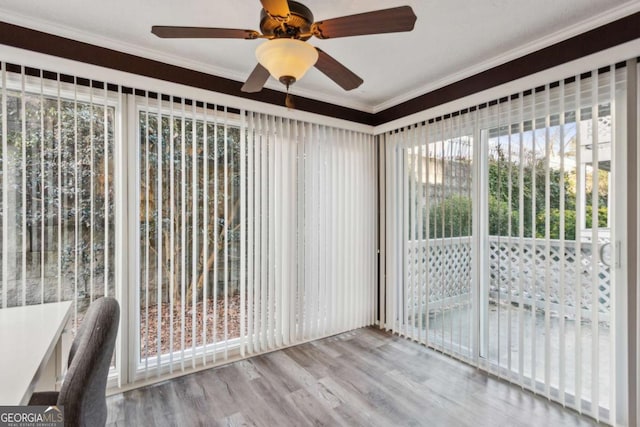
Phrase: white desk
(29, 336)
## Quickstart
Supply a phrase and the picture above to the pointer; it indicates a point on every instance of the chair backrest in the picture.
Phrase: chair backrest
(85, 383)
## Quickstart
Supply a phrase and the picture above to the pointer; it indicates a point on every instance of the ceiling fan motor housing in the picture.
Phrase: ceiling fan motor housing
(298, 26)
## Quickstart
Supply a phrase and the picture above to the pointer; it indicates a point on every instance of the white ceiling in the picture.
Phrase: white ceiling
(452, 39)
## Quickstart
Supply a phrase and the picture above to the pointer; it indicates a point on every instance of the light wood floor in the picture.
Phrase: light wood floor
(362, 378)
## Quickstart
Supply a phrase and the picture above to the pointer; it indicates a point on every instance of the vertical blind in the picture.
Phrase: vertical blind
(429, 197)
(57, 207)
(503, 244)
(256, 232)
(188, 256)
(311, 220)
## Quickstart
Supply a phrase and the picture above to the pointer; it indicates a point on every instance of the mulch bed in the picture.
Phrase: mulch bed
(149, 333)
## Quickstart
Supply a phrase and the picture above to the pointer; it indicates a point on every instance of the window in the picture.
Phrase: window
(57, 191)
(189, 230)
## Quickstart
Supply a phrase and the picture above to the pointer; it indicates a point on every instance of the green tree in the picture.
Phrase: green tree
(220, 189)
(60, 159)
(453, 217)
(534, 177)
(450, 218)
(499, 218)
(554, 224)
(59, 167)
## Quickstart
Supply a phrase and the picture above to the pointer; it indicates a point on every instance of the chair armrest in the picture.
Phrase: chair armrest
(44, 398)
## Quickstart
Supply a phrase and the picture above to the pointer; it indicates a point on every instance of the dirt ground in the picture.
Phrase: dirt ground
(215, 324)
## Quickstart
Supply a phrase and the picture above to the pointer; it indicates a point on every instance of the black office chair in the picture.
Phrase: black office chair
(84, 386)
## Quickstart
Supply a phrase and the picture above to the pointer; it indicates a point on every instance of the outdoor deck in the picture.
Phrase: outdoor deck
(450, 331)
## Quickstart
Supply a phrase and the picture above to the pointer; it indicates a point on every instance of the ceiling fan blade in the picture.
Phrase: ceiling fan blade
(277, 9)
(166, 32)
(256, 80)
(392, 20)
(337, 72)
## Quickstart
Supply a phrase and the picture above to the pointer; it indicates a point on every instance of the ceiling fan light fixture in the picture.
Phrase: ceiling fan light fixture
(286, 59)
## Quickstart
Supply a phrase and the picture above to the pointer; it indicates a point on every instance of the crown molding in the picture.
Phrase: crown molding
(601, 59)
(114, 44)
(541, 43)
(618, 32)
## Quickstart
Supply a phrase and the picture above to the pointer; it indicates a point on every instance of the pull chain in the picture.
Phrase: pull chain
(288, 100)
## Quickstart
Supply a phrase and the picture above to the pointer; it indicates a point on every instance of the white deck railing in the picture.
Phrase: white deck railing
(515, 266)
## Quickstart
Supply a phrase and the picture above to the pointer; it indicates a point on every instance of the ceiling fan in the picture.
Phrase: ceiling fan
(287, 25)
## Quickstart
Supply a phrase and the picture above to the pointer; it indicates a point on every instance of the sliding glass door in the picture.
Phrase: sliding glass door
(431, 191)
(547, 266)
(436, 301)
(505, 247)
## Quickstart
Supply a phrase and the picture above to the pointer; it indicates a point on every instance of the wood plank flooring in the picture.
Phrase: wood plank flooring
(361, 378)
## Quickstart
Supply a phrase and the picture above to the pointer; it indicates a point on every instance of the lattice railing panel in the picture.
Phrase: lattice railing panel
(528, 263)
(515, 267)
(448, 267)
